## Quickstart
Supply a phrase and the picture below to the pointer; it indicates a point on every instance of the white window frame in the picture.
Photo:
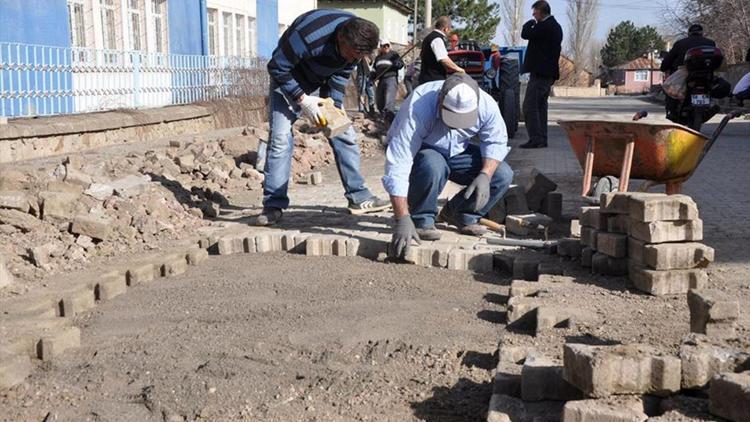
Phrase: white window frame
(109, 29)
(252, 37)
(135, 13)
(641, 76)
(159, 26)
(240, 34)
(77, 29)
(227, 33)
(213, 31)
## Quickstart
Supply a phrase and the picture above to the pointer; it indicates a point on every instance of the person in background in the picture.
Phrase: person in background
(454, 42)
(542, 63)
(435, 61)
(365, 90)
(387, 65)
(412, 74)
(317, 53)
(676, 56)
(741, 91)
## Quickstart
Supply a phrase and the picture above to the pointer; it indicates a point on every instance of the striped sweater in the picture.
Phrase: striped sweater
(307, 57)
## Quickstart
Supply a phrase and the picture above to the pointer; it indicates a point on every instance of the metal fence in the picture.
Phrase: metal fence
(37, 80)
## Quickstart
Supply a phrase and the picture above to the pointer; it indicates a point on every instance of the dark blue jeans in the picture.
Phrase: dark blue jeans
(431, 171)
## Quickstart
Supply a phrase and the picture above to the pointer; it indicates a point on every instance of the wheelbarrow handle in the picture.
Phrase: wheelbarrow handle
(714, 136)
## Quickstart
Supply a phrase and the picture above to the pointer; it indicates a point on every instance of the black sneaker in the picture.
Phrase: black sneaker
(268, 217)
(374, 204)
(532, 145)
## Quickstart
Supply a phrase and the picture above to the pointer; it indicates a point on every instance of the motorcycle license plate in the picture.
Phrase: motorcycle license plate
(700, 100)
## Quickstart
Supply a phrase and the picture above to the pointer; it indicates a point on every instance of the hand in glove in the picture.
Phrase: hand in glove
(480, 185)
(311, 109)
(403, 233)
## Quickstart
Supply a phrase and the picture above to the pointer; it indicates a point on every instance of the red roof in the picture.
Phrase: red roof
(640, 63)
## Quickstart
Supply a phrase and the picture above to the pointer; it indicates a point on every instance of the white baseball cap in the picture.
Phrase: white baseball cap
(460, 101)
(384, 41)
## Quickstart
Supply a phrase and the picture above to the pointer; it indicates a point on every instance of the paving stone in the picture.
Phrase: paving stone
(174, 265)
(541, 379)
(35, 304)
(92, 226)
(703, 358)
(522, 311)
(670, 282)
(569, 247)
(232, 244)
(683, 409)
(505, 408)
(300, 244)
(553, 205)
(589, 237)
(57, 207)
(15, 200)
(607, 265)
(537, 188)
(587, 255)
(667, 231)
(619, 202)
(523, 225)
(601, 371)
(512, 354)
(503, 263)
(549, 317)
(13, 369)
(575, 228)
(515, 201)
(507, 379)
(6, 278)
(618, 223)
(526, 288)
(339, 246)
(141, 273)
(550, 268)
(52, 345)
(555, 279)
(525, 269)
(709, 308)
(109, 286)
(636, 250)
(196, 256)
(76, 302)
(589, 217)
(659, 207)
(677, 256)
(20, 220)
(729, 396)
(612, 244)
(265, 243)
(472, 260)
(498, 212)
(319, 246)
(626, 410)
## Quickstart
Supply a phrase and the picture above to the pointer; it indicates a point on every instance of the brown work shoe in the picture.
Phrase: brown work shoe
(446, 216)
(429, 233)
(473, 230)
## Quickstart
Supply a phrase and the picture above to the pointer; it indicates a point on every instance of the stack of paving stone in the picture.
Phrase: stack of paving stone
(529, 208)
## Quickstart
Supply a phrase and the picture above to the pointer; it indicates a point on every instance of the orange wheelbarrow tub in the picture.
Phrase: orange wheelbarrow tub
(661, 153)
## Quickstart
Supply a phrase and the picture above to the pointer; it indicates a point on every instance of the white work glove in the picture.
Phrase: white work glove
(310, 106)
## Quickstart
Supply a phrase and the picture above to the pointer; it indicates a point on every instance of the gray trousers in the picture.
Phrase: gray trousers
(535, 107)
(385, 95)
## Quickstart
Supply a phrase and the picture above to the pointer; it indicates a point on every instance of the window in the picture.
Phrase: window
(109, 31)
(252, 42)
(76, 23)
(213, 35)
(135, 17)
(157, 15)
(239, 28)
(227, 28)
(641, 75)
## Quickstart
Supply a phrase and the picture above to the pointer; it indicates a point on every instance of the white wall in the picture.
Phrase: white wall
(290, 9)
(247, 10)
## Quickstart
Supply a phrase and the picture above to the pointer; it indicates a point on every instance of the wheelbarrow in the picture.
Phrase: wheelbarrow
(661, 153)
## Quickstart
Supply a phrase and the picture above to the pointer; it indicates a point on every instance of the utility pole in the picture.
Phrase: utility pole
(427, 13)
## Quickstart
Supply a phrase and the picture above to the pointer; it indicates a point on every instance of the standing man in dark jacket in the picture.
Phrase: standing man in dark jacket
(315, 56)
(434, 56)
(387, 65)
(676, 56)
(542, 63)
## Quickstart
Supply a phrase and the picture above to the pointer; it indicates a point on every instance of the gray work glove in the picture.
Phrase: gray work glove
(480, 185)
(403, 233)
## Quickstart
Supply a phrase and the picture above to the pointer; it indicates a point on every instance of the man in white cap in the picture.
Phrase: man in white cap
(429, 144)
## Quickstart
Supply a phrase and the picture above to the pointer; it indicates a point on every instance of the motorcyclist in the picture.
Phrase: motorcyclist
(676, 56)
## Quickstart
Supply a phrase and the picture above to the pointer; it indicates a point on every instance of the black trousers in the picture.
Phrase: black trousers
(535, 107)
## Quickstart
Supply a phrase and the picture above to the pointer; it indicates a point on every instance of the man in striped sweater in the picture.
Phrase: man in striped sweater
(314, 59)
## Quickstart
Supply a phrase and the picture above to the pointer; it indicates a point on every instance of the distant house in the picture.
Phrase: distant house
(636, 76)
(583, 79)
(391, 16)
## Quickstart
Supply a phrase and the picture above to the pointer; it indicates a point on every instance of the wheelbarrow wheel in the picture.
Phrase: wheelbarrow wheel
(605, 184)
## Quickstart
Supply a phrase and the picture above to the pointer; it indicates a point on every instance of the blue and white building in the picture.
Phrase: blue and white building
(73, 56)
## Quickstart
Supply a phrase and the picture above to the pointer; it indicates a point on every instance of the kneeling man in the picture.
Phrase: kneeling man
(446, 130)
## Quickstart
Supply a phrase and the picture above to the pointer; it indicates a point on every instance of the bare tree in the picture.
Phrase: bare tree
(582, 16)
(511, 12)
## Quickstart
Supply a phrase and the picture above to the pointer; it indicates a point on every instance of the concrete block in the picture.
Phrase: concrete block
(612, 244)
(601, 371)
(671, 282)
(338, 246)
(575, 228)
(57, 207)
(549, 317)
(569, 247)
(505, 408)
(140, 273)
(503, 263)
(508, 354)
(587, 255)
(15, 200)
(196, 256)
(352, 246)
(589, 217)
(525, 269)
(553, 205)
(677, 256)
(76, 302)
(14, 368)
(604, 411)
(300, 243)
(264, 243)
(667, 231)
(507, 380)
(526, 224)
(522, 288)
(522, 311)
(319, 246)
(6, 278)
(541, 379)
(549, 268)
(618, 223)
(174, 265)
(709, 307)
(337, 122)
(682, 409)
(498, 212)
(515, 201)
(729, 396)
(703, 359)
(52, 345)
(618, 202)
(91, 226)
(537, 188)
(472, 260)
(231, 244)
(659, 207)
(109, 286)
(636, 250)
(589, 237)
(607, 265)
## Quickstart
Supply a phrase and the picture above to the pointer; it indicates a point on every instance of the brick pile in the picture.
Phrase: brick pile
(528, 209)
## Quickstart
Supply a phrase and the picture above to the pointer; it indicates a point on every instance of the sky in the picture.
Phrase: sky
(612, 12)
